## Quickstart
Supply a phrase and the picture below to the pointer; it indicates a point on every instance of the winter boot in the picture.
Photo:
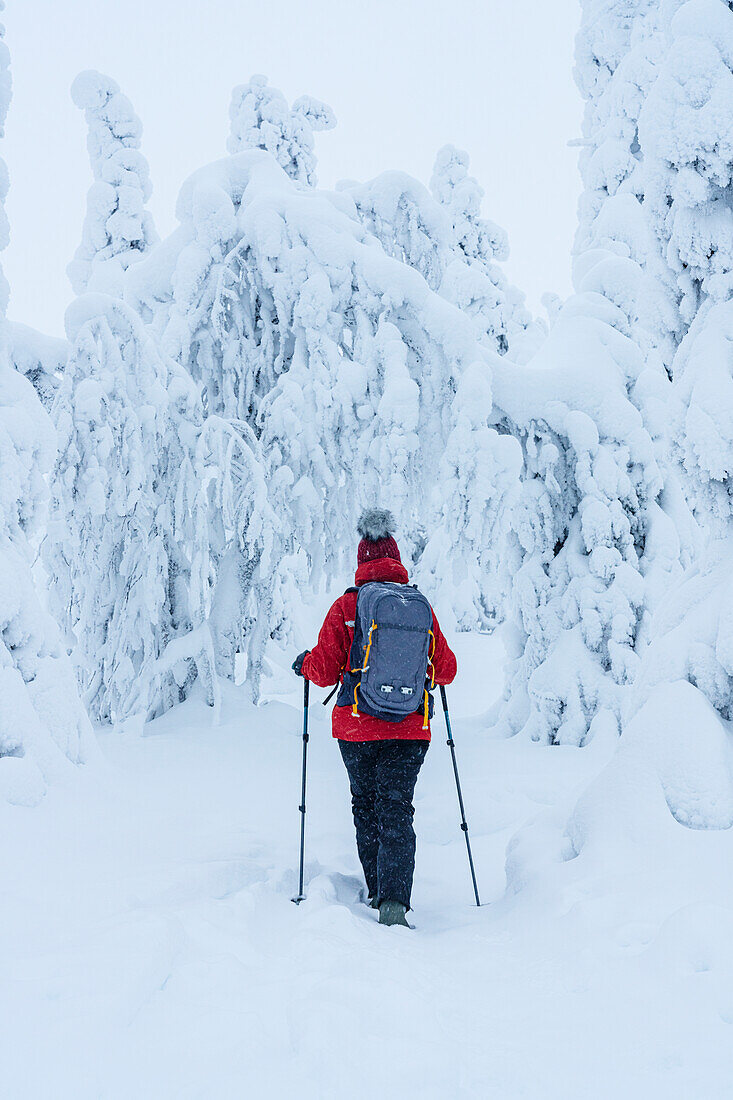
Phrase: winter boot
(393, 912)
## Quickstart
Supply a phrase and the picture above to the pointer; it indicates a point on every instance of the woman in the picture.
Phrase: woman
(382, 757)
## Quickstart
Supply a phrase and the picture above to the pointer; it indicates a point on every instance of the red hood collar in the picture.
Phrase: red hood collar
(381, 569)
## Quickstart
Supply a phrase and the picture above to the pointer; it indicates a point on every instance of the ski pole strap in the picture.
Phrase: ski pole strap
(331, 694)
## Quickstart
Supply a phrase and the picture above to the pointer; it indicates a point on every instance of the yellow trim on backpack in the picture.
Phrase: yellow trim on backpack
(354, 710)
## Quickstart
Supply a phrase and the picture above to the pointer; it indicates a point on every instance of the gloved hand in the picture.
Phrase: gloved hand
(298, 662)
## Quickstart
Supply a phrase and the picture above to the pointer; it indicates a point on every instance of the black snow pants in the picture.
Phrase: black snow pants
(382, 775)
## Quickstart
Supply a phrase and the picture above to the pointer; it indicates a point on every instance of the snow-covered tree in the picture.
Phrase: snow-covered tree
(117, 227)
(389, 454)
(42, 723)
(587, 522)
(39, 357)
(458, 252)
(474, 280)
(247, 594)
(407, 221)
(656, 156)
(468, 555)
(657, 170)
(692, 638)
(624, 60)
(119, 548)
(578, 553)
(162, 547)
(618, 52)
(338, 356)
(613, 71)
(261, 119)
(686, 134)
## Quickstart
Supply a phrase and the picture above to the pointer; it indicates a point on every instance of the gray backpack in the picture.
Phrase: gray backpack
(391, 654)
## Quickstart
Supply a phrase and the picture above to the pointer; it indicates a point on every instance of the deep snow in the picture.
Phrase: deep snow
(150, 949)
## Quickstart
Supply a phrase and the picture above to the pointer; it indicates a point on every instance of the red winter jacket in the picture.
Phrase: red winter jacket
(325, 663)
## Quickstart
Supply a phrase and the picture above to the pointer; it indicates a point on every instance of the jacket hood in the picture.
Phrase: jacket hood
(381, 569)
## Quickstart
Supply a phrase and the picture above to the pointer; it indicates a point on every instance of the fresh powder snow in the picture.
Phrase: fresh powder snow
(154, 951)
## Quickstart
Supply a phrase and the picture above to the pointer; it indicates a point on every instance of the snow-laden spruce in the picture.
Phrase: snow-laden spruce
(656, 162)
(571, 557)
(587, 528)
(693, 628)
(466, 561)
(442, 234)
(618, 50)
(121, 550)
(648, 174)
(686, 135)
(667, 91)
(251, 584)
(118, 228)
(473, 279)
(685, 172)
(614, 68)
(261, 119)
(39, 357)
(685, 126)
(42, 722)
(161, 547)
(340, 358)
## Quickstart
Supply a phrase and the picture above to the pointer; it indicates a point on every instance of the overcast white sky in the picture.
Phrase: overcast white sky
(403, 76)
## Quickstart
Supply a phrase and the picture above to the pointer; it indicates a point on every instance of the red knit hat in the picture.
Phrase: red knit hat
(375, 527)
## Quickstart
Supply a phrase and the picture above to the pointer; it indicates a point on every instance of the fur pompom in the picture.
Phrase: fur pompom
(375, 524)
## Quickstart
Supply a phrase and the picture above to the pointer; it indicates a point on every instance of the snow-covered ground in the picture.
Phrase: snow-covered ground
(149, 947)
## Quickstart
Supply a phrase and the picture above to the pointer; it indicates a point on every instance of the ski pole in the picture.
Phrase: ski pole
(301, 896)
(464, 823)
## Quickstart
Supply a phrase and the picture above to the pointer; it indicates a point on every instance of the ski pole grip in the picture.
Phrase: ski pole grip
(306, 691)
(443, 697)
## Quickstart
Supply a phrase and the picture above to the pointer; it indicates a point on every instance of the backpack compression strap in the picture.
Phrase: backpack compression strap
(363, 668)
(426, 703)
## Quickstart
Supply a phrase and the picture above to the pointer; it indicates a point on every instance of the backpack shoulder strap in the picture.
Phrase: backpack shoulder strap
(347, 593)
